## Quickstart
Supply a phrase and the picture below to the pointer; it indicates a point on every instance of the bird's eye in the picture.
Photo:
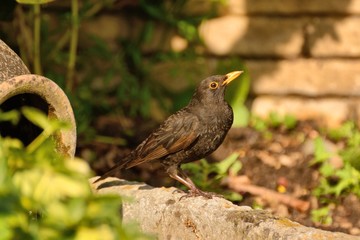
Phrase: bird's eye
(213, 85)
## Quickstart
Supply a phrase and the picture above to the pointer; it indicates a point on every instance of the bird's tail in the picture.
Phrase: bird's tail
(113, 170)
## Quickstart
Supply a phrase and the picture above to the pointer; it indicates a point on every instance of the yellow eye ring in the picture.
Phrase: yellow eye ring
(213, 85)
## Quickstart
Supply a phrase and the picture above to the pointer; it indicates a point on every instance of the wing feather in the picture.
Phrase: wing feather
(178, 132)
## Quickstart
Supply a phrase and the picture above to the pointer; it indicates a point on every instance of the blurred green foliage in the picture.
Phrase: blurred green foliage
(102, 81)
(44, 195)
(34, 1)
(336, 181)
(322, 215)
(209, 176)
(272, 122)
(238, 91)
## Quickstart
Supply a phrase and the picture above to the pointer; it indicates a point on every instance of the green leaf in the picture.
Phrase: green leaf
(5, 230)
(345, 131)
(322, 215)
(351, 155)
(37, 117)
(349, 179)
(241, 116)
(102, 231)
(235, 168)
(34, 2)
(234, 196)
(78, 166)
(258, 124)
(237, 94)
(290, 121)
(13, 116)
(320, 154)
(327, 170)
(275, 119)
(224, 166)
(355, 163)
(354, 139)
(188, 30)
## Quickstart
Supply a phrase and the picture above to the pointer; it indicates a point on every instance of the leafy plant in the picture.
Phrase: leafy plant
(12, 116)
(239, 90)
(346, 130)
(338, 181)
(113, 79)
(208, 176)
(322, 215)
(351, 153)
(274, 121)
(44, 195)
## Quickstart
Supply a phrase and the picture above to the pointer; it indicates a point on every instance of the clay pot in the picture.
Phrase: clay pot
(19, 88)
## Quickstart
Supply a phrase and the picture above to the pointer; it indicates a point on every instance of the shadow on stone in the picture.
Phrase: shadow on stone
(120, 182)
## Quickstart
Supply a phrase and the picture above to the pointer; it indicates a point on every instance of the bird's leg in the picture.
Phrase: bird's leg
(178, 174)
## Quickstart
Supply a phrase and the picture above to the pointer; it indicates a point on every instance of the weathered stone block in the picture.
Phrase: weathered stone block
(329, 37)
(274, 7)
(308, 77)
(299, 6)
(329, 111)
(256, 36)
(162, 212)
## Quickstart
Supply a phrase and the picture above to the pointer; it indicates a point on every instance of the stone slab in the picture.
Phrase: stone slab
(330, 112)
(162, 212)
(255, 36)
(334, 37)
(273, 7)
(307, 77)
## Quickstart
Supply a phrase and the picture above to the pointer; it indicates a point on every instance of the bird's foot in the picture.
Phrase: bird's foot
(178, 191)
(197, 192)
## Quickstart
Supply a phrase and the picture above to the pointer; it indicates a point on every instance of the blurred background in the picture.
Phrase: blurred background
(128, 64)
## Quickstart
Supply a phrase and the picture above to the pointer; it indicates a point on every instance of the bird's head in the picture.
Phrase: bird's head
(213, 88)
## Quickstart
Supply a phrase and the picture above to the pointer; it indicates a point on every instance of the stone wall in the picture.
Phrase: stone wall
(303, 56)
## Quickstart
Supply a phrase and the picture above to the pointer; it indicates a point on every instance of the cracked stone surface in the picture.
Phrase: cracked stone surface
(160, 211)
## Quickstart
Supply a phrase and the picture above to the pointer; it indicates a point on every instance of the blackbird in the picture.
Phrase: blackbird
(188, 135)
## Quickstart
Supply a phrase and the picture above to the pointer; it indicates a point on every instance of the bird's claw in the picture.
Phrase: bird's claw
(197, 192)
(178, 191)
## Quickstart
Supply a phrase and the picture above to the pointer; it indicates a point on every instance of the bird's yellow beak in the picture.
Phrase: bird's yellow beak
(231, 76)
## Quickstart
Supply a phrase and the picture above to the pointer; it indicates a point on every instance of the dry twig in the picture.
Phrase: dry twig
(236, 183)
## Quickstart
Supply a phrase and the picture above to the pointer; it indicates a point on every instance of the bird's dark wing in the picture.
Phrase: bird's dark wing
(178, 132)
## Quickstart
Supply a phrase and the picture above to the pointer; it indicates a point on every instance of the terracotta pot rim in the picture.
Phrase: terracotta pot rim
(59, 105)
